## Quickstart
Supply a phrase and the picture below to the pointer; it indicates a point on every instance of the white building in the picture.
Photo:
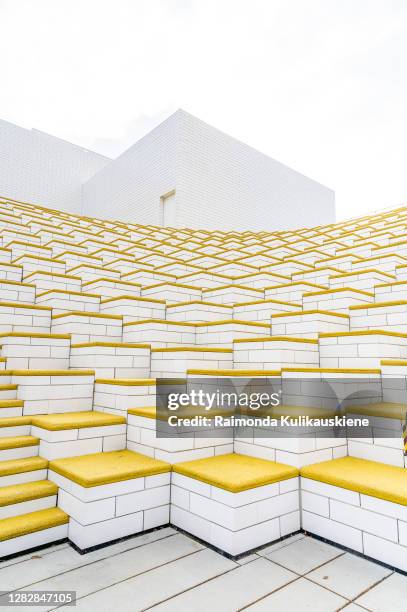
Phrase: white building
(39, 168)
(182, 173)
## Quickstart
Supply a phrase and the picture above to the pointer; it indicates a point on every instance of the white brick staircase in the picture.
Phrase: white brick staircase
(92, 311)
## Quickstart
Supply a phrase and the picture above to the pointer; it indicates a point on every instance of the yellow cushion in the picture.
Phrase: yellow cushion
(236, 473)
(149, 412)
(31, 522)
(19, 466)
(18, 442)
(369, 477)
(15, 494)
(105, 468)
(15, 421)
(76, 420)
(10, 403)
(383, 409)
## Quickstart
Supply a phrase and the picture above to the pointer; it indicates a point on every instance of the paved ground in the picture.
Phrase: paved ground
(166, 570)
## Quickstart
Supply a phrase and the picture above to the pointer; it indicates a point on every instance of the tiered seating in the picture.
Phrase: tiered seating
(235, 502)
(359, 504)
(92, 312)
(111, 495)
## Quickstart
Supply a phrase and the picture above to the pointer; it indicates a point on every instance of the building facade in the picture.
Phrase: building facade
(37, 167)
(184, 173)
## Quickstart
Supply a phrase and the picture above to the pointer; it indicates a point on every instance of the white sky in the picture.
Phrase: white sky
(320, 85)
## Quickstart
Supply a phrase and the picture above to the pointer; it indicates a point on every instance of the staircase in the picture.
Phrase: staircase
(92, 311)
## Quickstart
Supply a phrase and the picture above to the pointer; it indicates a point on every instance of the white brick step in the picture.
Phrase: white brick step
(112, 359)
(364, 279)
(133, 308)
(275, 352)
(18, 447)
(10, 407)
(32, 350)
(231, 294)
(175, 361)
(308, 323)
(11, 272)
(18, 471)
(27, 497)
(198, 311)
(62, 301)
(109, 287)
(390, 316)
(117, 395)
(14, 426)
(32, 530)
(111, 495)
(45, 281)
(361, 348)
(159, 332)
(19, 317)
(78, 433)
(336, 300)
(291, 292)
(49, 391)
(172, 292)
(261, 310)
(31, 263)
(88, 326)
(15, 291)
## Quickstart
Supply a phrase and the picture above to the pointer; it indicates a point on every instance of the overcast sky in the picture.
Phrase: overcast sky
(320, 85)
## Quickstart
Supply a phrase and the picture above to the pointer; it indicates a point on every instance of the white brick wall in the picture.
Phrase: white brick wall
(220, 183)
(38, 168)
(129, 188)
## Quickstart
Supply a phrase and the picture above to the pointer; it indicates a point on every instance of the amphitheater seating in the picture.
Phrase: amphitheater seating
(110, 495)
(235, 502)
(364, 503)
(92, 312)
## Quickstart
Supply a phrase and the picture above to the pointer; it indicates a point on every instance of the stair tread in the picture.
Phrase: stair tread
(17, 493)
(389, 410)
(20, 466)
(18, 442)
(11, 403)
(76, 420)
(8, 387)
(234, 472)
(148, 412)
(381, 480)
(15, 421)
(105, 468)
(31, 522)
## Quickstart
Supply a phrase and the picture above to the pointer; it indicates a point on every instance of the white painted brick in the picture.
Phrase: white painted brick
(364, 520)
(332, 530)
(388, 552)
(315, 503)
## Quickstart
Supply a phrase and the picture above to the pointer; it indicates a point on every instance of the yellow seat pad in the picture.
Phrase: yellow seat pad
(369, 477)
(29, 523)
(76, 420)
(385, 410)
(18, 442)
(235, 472)
(19, 466)
(15, 494)
(104, 468)
(10, 403)
(15, 421)
(149, 412)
